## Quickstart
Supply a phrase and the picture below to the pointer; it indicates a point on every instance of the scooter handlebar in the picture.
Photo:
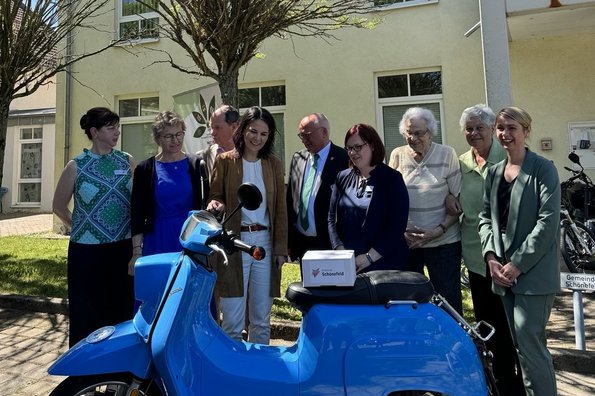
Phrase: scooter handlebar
(256, 252)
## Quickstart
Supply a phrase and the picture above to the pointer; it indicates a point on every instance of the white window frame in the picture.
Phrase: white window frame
(131, 18)
(411, 100)
(19, 179)
(405, 4)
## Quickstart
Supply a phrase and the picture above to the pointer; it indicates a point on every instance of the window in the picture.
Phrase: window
(400, 3)
(398, 92)
(137, 21)
(273, 99)
(29, 180)
(136, 118)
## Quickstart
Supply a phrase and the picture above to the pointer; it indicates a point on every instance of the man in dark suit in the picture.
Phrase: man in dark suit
(312, 173)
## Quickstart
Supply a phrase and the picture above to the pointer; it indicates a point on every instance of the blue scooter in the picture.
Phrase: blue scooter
(388, 335)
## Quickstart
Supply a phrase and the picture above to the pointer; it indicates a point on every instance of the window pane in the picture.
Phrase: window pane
(29, 192)
(149, 28)
(31, 161)
(426, 83)
(133, 7)
(129, 30)
(248, 97)
(279, 147)
(37, 133)
(128, 108)
(149, 106)
(26, 133)
(137, 140)
(391, 117)
(273, 96)
(392, 86)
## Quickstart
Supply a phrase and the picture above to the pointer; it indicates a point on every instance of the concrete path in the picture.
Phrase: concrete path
(12, 224)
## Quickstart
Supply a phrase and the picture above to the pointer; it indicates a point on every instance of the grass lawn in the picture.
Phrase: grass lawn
(35, 265)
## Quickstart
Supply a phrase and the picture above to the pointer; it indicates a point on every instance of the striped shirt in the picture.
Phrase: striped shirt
(428, 183)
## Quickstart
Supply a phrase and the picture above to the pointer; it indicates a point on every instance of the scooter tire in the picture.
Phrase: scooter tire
(100, 385)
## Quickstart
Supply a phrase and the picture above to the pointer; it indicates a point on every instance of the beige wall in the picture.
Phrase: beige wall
(553, 80)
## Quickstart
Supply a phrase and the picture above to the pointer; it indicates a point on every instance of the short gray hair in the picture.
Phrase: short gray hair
(419, 112)
(481, 111)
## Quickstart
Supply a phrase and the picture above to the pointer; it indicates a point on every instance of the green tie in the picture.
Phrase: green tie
(307, 191)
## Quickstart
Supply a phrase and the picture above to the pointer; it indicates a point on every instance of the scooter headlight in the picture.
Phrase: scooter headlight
(100, 334)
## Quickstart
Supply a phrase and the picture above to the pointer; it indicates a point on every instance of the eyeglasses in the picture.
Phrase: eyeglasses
(170, 137)
(478, 129)
(356, 148)
(305, 135)
(416, 134)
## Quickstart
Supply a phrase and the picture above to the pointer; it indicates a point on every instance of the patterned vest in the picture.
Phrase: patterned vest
(101, 198)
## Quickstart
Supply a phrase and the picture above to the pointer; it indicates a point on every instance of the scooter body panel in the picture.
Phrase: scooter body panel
(122, 351)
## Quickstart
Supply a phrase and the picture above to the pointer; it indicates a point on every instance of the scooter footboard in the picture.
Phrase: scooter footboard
(111, 349)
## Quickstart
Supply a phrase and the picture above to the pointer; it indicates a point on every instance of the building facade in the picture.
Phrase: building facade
(535, 55)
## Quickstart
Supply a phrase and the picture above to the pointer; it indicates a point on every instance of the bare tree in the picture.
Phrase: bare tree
(220, 36)
(35, 39)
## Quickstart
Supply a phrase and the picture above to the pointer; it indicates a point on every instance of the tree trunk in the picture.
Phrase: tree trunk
(228, 85)
(4, 108)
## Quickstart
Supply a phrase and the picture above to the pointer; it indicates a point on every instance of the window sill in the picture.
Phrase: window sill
(130, 43)
(394, 6)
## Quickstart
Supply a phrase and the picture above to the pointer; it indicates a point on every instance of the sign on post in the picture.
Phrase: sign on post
(578, 283)
(584, 282)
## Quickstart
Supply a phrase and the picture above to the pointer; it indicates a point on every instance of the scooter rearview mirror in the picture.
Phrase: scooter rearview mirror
(574, 158)
(249, 196)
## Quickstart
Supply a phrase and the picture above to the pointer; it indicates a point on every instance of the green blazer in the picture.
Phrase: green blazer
(226, 178)
(532, 239)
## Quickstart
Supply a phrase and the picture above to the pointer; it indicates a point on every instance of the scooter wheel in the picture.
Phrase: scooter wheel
(105, 384)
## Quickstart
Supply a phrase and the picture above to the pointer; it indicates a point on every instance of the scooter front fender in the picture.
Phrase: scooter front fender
(111, 349)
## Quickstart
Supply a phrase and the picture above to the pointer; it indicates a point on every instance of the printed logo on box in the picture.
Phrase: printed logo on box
(315, 272)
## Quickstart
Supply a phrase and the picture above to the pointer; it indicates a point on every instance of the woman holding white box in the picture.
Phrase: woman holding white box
(369, 205)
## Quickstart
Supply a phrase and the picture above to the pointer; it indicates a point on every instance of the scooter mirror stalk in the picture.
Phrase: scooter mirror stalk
(250, 198)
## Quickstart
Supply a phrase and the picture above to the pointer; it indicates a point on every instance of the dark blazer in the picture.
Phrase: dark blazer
(385, 218)
(532, 238)
(143, 192)
(336, 161)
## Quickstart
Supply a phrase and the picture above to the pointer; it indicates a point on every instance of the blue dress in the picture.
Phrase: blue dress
(173, 198)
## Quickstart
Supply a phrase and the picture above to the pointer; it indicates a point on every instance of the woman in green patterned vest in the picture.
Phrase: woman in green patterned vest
(100, 291)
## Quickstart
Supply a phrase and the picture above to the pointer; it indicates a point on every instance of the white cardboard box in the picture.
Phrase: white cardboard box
(328, 268)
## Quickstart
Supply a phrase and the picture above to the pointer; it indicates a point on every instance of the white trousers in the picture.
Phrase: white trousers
(257, 284)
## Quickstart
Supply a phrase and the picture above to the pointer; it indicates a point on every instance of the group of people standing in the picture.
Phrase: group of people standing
(422, 210)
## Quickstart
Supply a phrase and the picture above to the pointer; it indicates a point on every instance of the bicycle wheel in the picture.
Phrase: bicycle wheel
(575, 256)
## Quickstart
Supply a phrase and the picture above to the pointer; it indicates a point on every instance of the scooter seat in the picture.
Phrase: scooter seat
(370, 288)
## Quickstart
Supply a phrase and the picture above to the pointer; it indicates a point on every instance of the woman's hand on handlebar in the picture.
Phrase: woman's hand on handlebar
(216, 205)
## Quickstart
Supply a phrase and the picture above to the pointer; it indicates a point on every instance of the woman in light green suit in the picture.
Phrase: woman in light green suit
(519, 230)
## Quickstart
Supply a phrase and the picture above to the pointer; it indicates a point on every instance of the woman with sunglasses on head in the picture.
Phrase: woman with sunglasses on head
(245, 278)
(431, 172)
(369, 205)
(165, 188)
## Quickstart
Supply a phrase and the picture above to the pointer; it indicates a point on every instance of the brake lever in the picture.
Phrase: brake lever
(216, 248)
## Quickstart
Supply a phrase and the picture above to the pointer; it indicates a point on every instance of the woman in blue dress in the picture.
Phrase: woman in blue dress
(165, 188)
(369, 205)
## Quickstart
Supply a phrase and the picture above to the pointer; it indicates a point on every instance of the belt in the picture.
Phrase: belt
(253, 228)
